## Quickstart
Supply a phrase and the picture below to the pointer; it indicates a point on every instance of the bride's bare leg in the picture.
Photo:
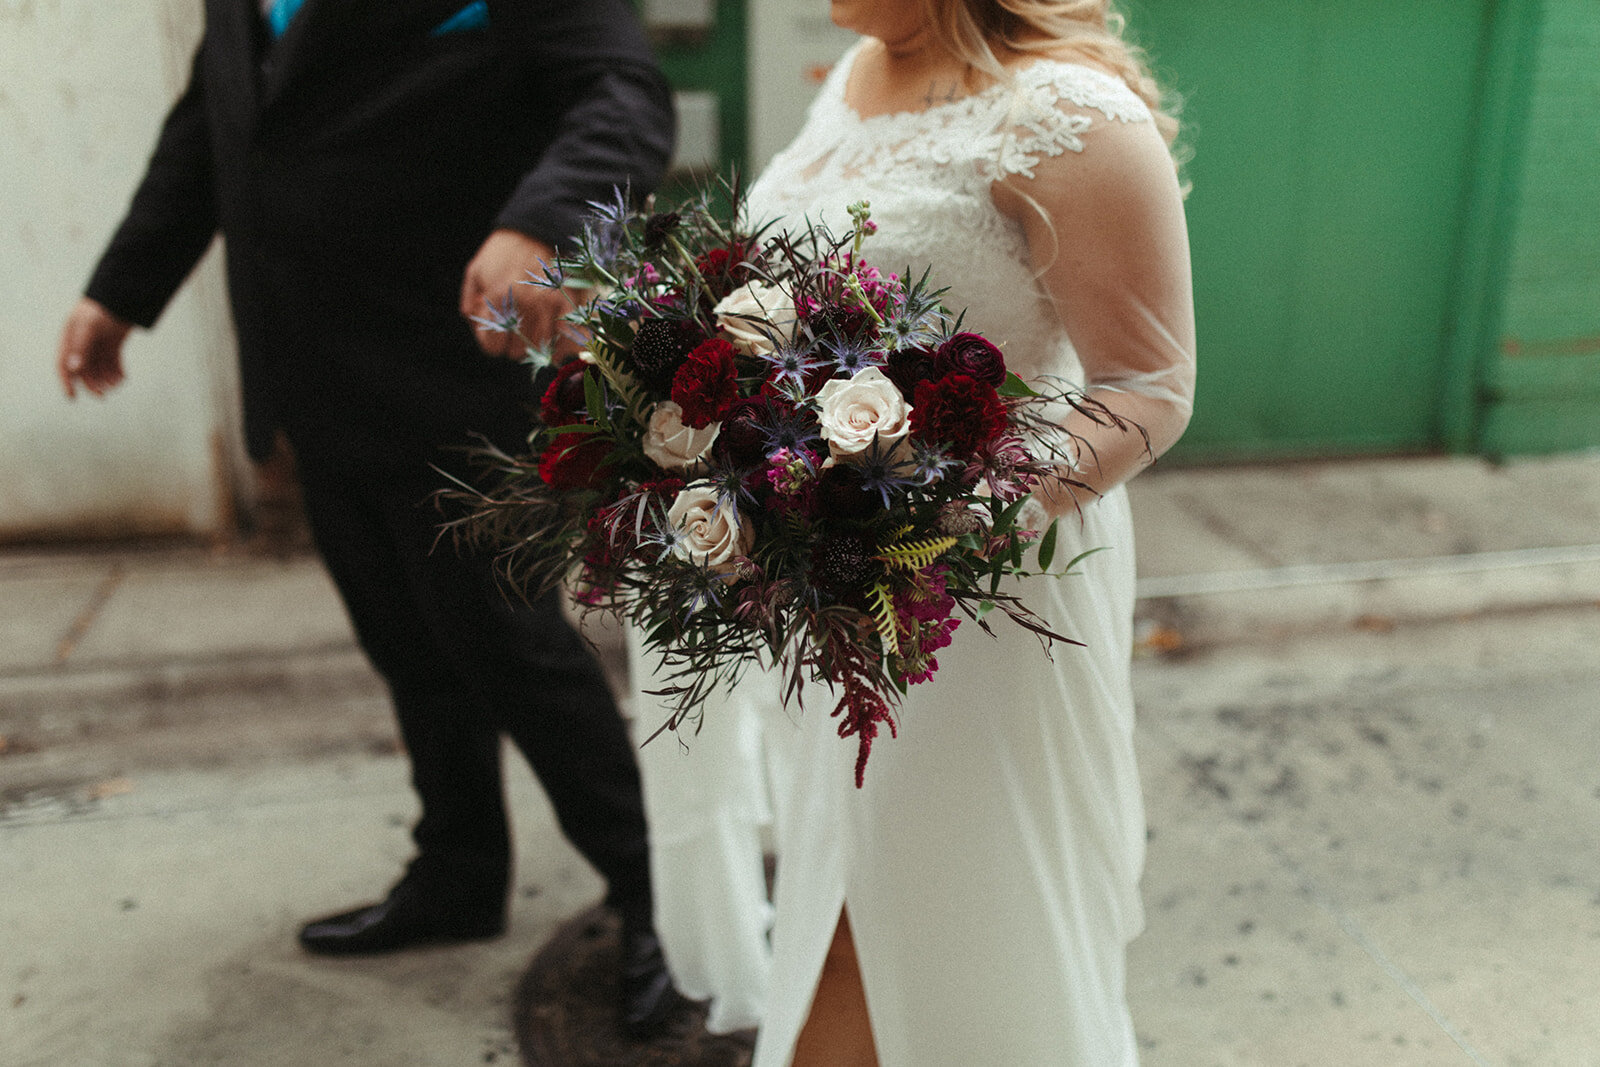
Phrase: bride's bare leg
(838, 1032)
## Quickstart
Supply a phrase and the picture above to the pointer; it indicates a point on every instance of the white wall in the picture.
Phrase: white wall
(83, 87)
(791, 46)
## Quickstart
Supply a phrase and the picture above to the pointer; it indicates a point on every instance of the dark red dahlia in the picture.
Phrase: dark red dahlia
(958, 412)
(725, 269)
(743, 440)
(841, 494)
(563, 402)
(707, 384)
(908, 366)
(972, 355)
(572, 461)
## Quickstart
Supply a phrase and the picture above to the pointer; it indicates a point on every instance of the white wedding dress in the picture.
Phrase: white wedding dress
(990, 865)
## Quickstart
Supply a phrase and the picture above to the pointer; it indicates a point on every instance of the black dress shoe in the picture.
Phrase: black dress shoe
(649, 1001)
(404, 918)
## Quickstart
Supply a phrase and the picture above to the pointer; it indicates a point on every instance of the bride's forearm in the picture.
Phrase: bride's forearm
(1108, 454)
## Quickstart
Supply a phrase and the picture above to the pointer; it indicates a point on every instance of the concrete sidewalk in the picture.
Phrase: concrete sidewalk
(1225, 554)
(1367, 693)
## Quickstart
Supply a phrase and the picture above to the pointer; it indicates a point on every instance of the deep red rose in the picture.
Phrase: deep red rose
(563, 402)
(957, 411)
(572, 461)
(707, 384)
(972, 355)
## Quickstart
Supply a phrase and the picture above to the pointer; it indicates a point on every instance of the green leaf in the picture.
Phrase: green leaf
(984, 608)
(1014, 386)
(1081, 556)
(1047, 546)
(594, 400)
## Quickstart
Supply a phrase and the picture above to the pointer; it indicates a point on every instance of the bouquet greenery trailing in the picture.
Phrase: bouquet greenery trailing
(770, 452)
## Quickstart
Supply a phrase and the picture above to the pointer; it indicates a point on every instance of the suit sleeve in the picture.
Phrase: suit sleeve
(171, 220)
(615, 121)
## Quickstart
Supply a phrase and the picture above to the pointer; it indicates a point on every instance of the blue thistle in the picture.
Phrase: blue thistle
(790, 365)
(501, 319)
(852, 356)
(930, 463)
(797, 431)
(884, 474)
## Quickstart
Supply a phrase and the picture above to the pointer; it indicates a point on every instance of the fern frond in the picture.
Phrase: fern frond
(628, 388)
(883, 612)
(915, 555)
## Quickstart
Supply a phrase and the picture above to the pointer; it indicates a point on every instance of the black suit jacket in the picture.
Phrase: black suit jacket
(353, 167)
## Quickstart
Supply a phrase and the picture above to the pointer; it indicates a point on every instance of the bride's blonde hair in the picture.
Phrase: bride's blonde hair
(970, 29)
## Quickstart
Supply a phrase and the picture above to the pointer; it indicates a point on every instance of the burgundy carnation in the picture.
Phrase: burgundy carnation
(972, 355)
(563, 402)
(707, 384)
(958, 412)
(572, 461)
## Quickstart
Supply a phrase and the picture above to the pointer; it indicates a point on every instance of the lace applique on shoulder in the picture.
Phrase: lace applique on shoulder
(1038, 124)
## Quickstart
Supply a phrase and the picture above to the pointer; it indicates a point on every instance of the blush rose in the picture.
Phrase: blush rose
(674, 446)
(857, 411)
(711, 534)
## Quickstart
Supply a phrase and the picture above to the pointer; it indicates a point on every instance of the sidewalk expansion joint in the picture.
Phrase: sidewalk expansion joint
(81, 625)
(1161, 586)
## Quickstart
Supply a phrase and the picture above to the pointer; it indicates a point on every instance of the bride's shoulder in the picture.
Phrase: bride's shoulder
(1066, 76)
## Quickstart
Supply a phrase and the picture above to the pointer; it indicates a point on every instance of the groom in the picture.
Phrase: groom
(379, 169)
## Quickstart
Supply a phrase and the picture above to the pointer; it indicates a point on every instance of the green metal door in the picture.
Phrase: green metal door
(1334, 148)
(1541, 374)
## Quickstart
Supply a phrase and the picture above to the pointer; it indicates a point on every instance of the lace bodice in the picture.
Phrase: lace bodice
(930, 177)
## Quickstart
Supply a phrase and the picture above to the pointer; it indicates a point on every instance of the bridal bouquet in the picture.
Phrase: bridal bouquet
(770, 452)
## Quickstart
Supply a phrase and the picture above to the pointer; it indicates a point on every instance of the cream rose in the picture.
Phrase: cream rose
(711, 534)
(753, 315)
(856, 411)
(672, 445)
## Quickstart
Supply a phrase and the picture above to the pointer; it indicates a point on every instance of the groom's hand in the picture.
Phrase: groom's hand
(90, 352)
(508, 260)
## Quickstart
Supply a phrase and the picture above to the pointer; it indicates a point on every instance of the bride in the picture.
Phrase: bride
(973, 902)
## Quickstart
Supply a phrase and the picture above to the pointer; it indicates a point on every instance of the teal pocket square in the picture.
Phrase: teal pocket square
(475, 16)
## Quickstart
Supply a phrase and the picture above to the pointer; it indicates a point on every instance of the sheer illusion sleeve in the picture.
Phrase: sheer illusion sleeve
(1099, 201)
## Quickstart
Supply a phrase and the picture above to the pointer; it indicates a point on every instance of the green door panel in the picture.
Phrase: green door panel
(1542, 386)
(1332, 149)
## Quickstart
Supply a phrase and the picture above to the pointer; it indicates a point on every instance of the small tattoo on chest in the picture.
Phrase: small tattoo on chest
(941, 92)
